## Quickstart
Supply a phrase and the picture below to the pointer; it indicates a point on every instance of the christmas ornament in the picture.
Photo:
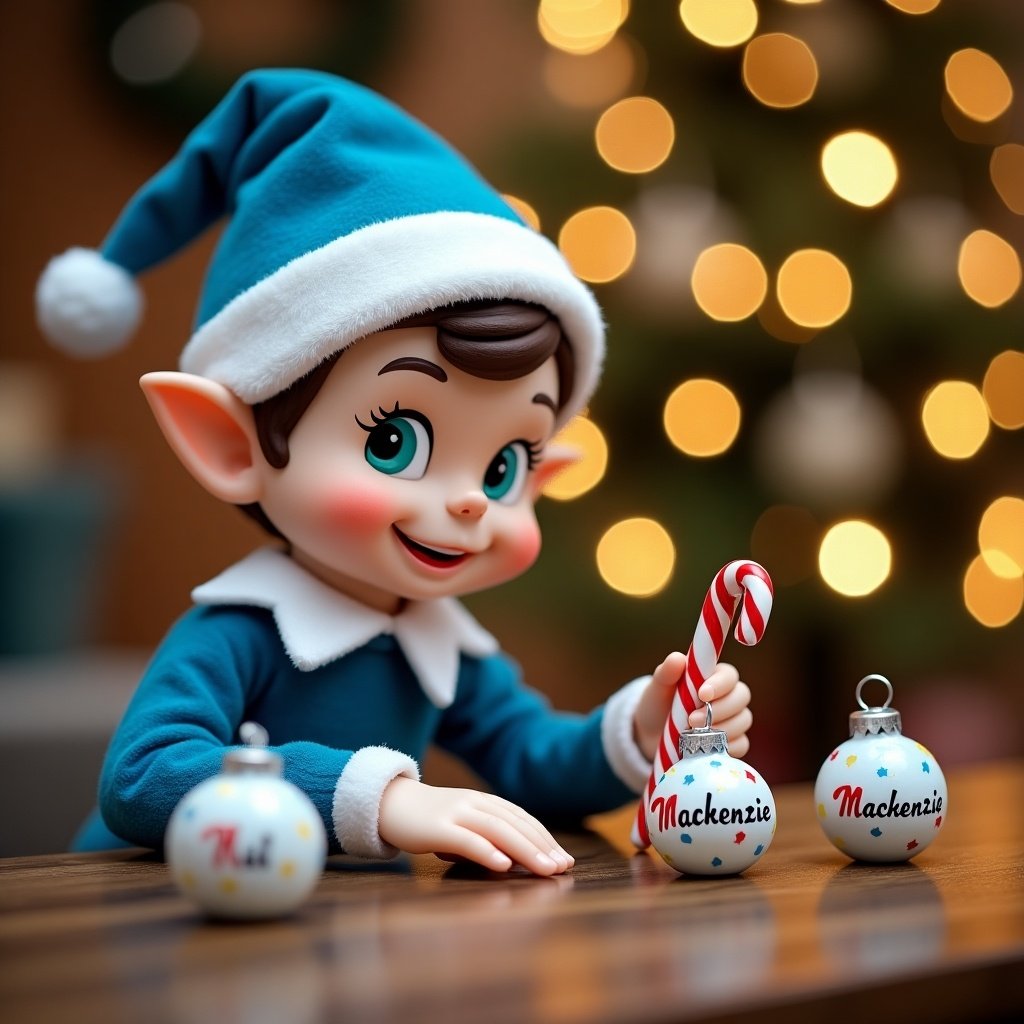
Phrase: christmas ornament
(880, 796)
(246, 843)
(710, 814)
(746, 580)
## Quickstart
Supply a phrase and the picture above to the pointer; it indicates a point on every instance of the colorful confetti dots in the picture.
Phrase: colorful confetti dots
(912, 845)
(686, 838)
(882, 772)
(876, 831)
(752, 776)
(740, 836)
(687, 780)
(926, 767)
(715, 764)
(851, 760)
(716, 862)
(821, 811)
(759, 849)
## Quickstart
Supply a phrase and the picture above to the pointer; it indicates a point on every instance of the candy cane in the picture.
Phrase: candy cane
(733, 581)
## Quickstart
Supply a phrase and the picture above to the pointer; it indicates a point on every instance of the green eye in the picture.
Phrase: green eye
(506, 474)
(399, 445)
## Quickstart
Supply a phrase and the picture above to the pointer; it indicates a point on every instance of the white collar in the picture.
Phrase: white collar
(318, 624)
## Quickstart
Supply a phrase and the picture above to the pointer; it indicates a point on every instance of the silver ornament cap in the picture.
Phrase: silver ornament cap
(872, 720)
(703, 740)
(253, 758)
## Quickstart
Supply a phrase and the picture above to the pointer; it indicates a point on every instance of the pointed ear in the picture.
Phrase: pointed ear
(556, 458)
(211, 431)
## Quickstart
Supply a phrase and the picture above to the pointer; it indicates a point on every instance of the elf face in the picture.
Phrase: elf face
(410, 478)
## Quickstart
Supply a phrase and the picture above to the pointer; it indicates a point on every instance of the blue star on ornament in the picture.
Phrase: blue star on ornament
(716, 862)
(926, 767)
(686, 838)
(716, 764)
(876, 831)
(882, 772)
(687, 780)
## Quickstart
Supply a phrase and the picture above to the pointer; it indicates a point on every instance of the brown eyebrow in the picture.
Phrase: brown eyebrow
(415, 363)
(541, 399)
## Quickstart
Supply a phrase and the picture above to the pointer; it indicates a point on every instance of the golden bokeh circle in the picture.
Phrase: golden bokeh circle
(978, 85)
(587, 438)
(702, 417)
(1006, 168)
(729, 282)
(989, 268)
(779, 70)
(635, 135)
(854, 558)
(955, 419)
(992, 599)
(814, 288)
(636, 557)
(1001, 536)
(599, 242)
(1003, 389)
(721, 23)
(859, 167)
(524, 209)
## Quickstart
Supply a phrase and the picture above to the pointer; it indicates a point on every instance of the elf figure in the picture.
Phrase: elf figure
(381, 355)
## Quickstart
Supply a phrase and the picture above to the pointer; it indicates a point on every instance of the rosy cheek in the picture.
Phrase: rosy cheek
(358, 510)
(523, 547)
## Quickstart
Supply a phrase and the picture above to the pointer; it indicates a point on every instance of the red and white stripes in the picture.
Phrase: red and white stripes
(740, 583)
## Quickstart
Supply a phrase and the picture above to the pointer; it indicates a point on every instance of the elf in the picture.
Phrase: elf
(382, 354)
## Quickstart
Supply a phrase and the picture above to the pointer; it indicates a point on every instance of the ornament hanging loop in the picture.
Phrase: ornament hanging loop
(868, 679)
(708, 715)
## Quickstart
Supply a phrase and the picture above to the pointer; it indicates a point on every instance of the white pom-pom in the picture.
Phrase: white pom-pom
(87, 305)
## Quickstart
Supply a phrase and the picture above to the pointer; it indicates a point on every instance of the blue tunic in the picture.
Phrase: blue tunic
(225, 664)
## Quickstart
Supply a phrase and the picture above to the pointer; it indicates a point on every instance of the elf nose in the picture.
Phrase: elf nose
(470, 505)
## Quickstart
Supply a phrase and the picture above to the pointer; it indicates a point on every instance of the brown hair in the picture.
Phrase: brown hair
(493, 340)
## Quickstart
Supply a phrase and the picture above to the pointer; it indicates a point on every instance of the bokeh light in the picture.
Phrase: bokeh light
(779, 70)
(1006, 168)
(729, 282)
(702, 417)
(859, 167)
(955, 419)
(989, 268)
(914, 6)
(155, 43)
(586, 437)
(855, 558)
(524, 209)
(784, 540)
(992, 599)
(1003, 389)
(721, 23)
(580, 26)
(635, 135)
(814, 288)
(590, 80)
(636, 557)
(978, 85)
(599, 243)
(1001, 536)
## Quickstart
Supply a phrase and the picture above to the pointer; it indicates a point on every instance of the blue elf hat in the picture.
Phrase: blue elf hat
(345, 215)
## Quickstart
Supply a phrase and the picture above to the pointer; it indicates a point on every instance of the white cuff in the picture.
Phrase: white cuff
(357, 798)
(624, 756)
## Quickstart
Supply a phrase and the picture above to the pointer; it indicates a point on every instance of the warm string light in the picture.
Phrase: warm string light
(636, 557)
(814, 288)
(955, 419)
(635, 135)
(599, 242)
(779, 70)
(977, 84)
(590, 80)
(855, 558)
(1006, 168)
(702, 418)
(989, 268)
(1001, 537)
(729, 282)
(720, 23)
(586, 437)
(580, 26)
(992, 599)
(1003, 389)
(859, 167)
(524, 209)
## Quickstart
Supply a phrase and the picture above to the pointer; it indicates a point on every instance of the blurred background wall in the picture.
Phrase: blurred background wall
(804, 223)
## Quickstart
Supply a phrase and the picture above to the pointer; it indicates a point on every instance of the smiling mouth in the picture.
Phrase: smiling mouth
(437, 558)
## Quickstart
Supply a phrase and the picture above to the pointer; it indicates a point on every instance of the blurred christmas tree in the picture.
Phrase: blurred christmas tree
(803, 221)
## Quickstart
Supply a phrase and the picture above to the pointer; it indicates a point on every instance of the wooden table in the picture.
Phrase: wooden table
(803, 936)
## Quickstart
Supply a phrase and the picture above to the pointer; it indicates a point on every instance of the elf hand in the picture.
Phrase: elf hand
(462, 823)
(723, 690)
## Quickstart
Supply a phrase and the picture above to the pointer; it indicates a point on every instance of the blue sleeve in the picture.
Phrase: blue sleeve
(551, 763)
(186, 711)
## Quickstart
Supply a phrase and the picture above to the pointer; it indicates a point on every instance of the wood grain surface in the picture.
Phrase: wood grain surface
(804, 935)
